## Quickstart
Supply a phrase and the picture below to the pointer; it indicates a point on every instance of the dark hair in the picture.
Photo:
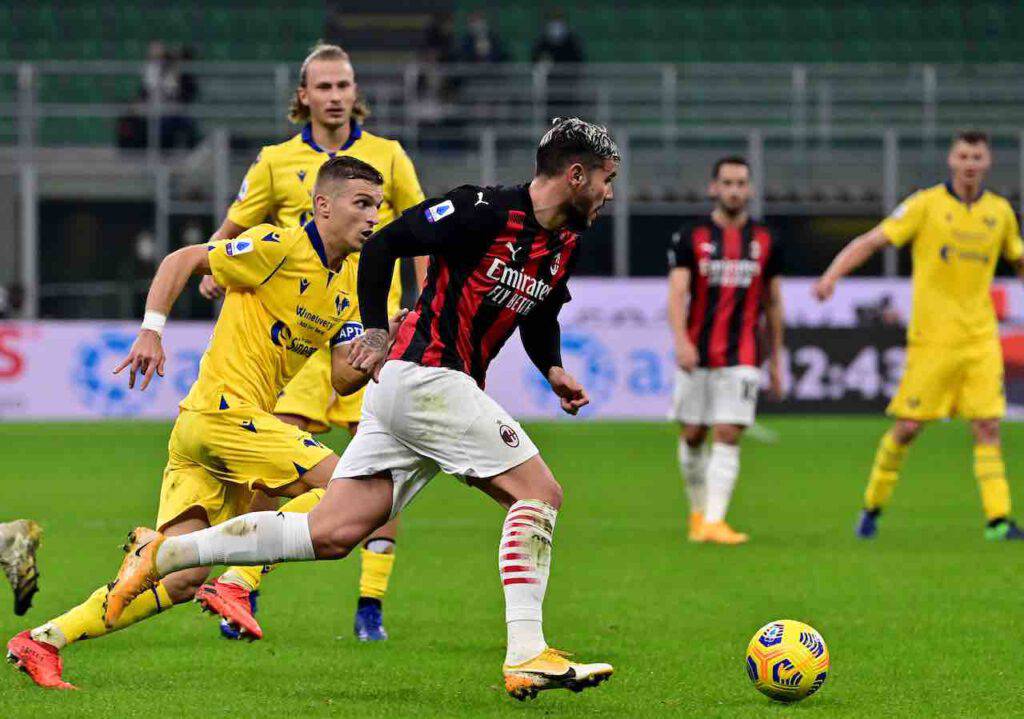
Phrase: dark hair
(344, 167)
(728, 160)
(573, 140)
(972, 137)
(299, 113)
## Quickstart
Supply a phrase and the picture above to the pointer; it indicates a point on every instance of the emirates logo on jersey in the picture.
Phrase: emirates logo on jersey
(729, 273)
(514, 289)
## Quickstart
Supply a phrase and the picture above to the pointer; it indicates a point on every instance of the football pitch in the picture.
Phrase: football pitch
(923, 622)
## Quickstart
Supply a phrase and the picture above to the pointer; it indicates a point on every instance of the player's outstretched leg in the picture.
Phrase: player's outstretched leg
(18, 543)
(350, 511)
(533, 498)
(378, 561)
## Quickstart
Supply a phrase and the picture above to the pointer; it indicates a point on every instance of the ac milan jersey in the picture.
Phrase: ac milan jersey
(730, 269)
(492, 265)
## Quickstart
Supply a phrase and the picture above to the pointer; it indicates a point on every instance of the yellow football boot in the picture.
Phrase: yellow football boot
(695, 524)
(721, 533)
(137, 573)
(551, 669)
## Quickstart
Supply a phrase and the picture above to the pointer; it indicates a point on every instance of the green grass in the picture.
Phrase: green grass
(925, 621)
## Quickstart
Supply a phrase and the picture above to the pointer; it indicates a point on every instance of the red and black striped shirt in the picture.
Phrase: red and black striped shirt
(492, 267)
(730, 269)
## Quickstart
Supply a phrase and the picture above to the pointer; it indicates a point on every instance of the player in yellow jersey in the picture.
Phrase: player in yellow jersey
(954, 364)
(327, 104)
(291, 291)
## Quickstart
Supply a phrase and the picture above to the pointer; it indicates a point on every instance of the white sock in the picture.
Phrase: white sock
(692, 461)
(255, 538)
(524, 560)
(381, 546)
(723, 468)
(49, 633)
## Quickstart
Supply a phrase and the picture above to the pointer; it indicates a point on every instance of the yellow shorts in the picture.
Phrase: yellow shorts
(214, 459)
(310, 395)
(941, 381)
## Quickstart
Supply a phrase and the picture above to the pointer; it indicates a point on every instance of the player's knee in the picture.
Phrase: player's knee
(694, 435)
(986, 431)
(728, 433)
(554, 493)
(335, 542)
(906, 430)
(182, 586)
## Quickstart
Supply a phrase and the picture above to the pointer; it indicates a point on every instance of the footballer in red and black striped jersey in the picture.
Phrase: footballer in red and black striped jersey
(492, 267)
(724, 291)
(500, 259)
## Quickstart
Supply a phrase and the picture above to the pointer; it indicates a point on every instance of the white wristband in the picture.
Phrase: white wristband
(154, 321)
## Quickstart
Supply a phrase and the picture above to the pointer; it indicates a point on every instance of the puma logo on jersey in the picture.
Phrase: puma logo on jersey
(513, 250)
(480, 200)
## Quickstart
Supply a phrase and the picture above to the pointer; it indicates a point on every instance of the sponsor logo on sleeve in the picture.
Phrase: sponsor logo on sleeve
(349, 331)
(440, 211)
(238, 247)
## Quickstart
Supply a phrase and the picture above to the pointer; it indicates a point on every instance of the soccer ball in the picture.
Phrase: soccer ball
(787, 660)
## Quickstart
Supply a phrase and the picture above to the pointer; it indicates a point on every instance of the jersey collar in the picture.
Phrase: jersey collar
(354, 133)
(952, 193)
(318, 244)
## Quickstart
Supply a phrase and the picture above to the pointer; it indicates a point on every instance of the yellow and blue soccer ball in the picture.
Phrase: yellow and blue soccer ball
(787, 660)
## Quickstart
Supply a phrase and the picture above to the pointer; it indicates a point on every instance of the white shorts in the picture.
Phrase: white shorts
(724, 395)
(418, 420)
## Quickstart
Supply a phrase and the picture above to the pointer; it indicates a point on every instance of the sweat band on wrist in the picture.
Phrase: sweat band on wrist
(154, 321)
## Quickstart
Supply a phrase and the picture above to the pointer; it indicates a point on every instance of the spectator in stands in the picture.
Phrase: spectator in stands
(435, 88)
(480, 43)
(561, 52)
(557, 44)
(162, 77)
(439, 39)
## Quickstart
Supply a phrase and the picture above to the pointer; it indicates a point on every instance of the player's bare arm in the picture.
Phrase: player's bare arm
(776, 333)
(147, 353)
(345, 378)
(687, 356)
(855, 254)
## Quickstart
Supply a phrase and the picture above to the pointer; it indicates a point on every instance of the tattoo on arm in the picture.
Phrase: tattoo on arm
(375, 340)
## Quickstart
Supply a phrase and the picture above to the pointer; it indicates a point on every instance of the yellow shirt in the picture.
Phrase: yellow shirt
(283, 304)
(279, 184)
(955, 249)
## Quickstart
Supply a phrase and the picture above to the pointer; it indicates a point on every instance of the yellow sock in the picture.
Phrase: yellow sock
(376, 571)
(990, 472)
(86, 620)
(252, 577)
(884, 472)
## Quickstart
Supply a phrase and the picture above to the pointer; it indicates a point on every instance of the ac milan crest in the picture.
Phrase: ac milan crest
(508, 435)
